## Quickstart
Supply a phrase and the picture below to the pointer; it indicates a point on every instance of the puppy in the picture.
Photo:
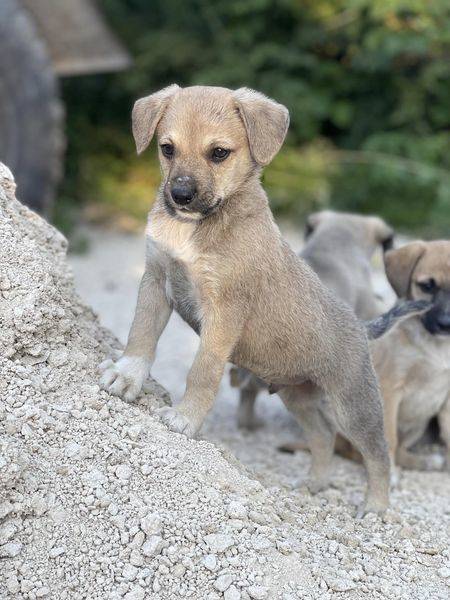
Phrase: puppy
(215, 254)
(339, 247)
(413, 361)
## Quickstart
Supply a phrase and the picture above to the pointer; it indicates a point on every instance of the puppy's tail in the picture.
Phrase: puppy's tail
(401, 311)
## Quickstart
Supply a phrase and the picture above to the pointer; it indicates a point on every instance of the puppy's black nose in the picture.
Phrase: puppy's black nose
(183, 190)
(444, 321)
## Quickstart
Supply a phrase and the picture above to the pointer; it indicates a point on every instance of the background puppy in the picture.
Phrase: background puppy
(215, 254)
(339, 247)
(413, 361)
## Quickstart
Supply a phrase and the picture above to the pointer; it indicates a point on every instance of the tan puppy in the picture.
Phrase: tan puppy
(215, 254)
(339, 247)
(413, 361)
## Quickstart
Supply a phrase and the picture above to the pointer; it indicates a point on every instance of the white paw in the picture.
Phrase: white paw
(125, 377)
(373, 507)
(434, 462)
(176, 421)
(394, 477)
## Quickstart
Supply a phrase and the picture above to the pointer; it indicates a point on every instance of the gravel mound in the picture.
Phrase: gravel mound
(98, 500)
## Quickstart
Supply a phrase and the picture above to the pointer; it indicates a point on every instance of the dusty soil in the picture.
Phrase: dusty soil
(99, 500)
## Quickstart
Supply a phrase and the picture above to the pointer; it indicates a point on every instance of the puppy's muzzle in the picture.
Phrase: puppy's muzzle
(437, 322)
(183, 190)
(444, 322)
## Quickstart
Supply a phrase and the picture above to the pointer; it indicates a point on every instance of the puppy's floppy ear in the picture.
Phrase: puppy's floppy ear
(266, 123)
(147, 113)
(400, 265)
(384, 234)
(312, 221)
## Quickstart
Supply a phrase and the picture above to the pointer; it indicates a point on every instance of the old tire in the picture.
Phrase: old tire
(31, 137)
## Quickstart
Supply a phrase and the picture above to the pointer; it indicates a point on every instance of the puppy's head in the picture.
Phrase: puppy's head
(211, 140)
(421, 270)
(370, 232)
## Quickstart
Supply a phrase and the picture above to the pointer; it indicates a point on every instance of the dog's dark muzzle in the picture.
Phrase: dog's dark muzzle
(183, 190)
(437, 322)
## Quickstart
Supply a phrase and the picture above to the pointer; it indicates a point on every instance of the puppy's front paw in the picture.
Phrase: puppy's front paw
(316, 485)
(125, 377)
(434, 462)
(395, 477)
(372, 507)
(176, 421)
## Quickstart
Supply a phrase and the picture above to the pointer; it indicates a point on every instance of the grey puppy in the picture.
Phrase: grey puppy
(215, 254)
(339, 247)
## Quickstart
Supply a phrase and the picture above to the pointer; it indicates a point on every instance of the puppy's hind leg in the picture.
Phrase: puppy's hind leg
(304, 403)
(247, 418)
(359, 416)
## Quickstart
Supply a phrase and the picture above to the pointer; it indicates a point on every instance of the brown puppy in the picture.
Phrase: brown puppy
(339, 247)
(413, 361)
(215, 254)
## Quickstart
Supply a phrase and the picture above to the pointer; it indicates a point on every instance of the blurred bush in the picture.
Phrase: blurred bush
(366, 81)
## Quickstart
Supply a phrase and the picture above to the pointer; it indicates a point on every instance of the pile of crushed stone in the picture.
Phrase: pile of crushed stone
(98, 500)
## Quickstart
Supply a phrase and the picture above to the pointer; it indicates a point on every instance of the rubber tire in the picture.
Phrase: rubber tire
(31, 115)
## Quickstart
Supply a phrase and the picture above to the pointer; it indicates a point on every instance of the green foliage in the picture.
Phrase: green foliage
(367, 83)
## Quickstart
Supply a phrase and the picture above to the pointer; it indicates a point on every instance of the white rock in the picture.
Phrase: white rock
(340, 584)
(13, 585)
(5, 508)
(210, 562)
(219, 542)
(260, 542)
(136, 558)
(42, 591)
(151, 524)
(178, 570)
(333, 546)
(123, 471)
(136, 593)
(153, 545)
(444, 572)
(236, 510)
(130, 572)
(257, 592)
(232, 593)
(56, 551)
(7, 531)
(223, 582)
(134, 431)
(73, 449)
(258, 517)
(11, 549)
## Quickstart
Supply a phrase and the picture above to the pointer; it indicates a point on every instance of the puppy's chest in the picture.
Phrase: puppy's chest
(427, 384)
(187, 268)
(174, 238)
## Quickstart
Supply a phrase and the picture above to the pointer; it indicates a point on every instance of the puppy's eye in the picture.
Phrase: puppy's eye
(167, 150)
(428, 287)
(219, 154)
